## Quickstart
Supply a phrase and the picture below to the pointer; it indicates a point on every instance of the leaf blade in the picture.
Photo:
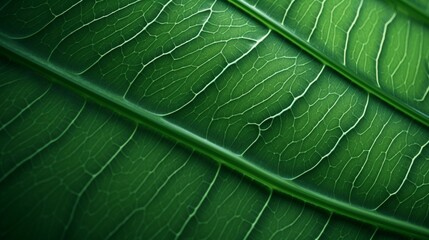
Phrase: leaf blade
(418, 113)
(297, 97)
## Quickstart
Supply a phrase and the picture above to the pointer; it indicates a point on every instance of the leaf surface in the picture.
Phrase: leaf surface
(351, 37)
(191, 119)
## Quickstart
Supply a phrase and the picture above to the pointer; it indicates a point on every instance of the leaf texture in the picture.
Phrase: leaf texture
(351, 37)
(191, 119)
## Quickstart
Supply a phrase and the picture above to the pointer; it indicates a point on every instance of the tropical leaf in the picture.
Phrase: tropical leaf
(195, 119)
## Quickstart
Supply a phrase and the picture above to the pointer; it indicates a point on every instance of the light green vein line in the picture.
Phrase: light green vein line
(24, 109)
(276, 26)
(200, 203)
(92, 179)
(252, 227)
(234, 161)
(42, 148)
(324, 227)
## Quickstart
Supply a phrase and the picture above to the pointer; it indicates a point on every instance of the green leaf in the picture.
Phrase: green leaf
(354, 44)
(194, 119)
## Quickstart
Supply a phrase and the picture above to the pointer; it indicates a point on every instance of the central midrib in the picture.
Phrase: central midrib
(160, 125)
